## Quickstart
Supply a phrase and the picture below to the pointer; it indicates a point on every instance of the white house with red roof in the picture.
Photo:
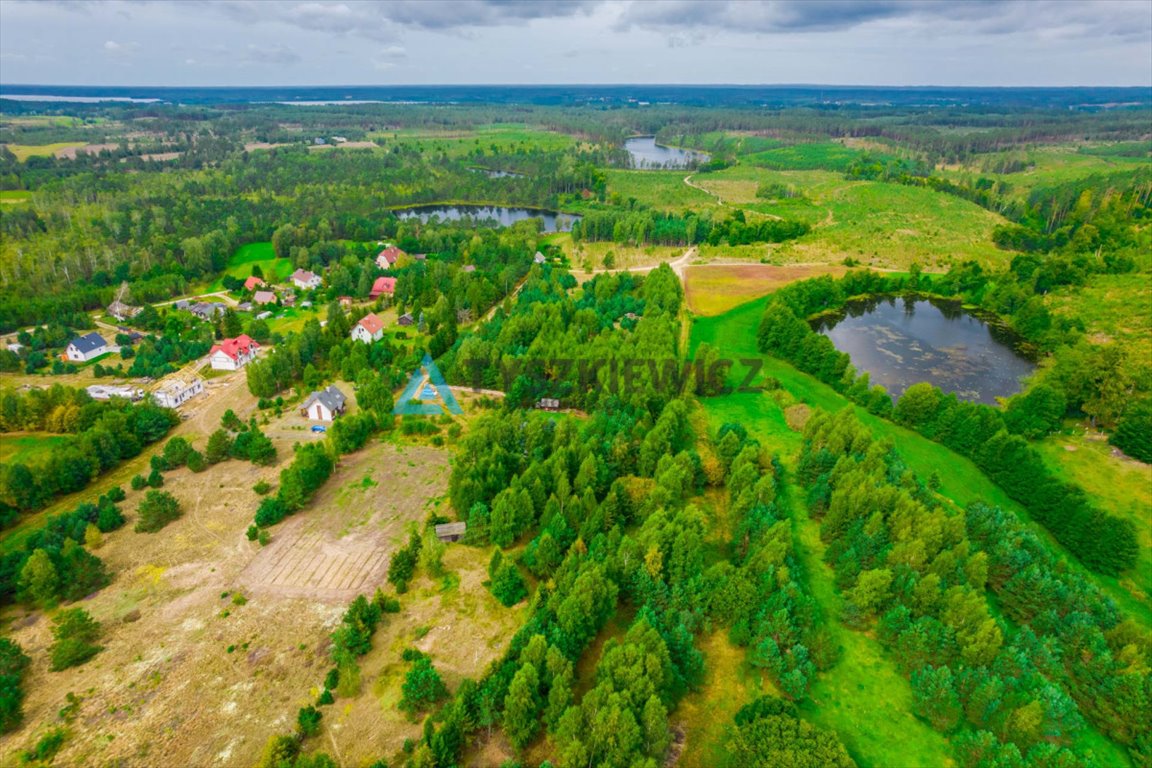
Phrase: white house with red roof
(233, 354)
(305, 280)
(388, 257)
(253, 283)
(383, 286)
(369, 329)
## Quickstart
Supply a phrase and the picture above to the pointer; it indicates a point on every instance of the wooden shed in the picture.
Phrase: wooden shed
(451, 531)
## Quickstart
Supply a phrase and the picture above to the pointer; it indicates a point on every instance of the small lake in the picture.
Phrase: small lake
(490, 215)
(903, 341)
(647, 154)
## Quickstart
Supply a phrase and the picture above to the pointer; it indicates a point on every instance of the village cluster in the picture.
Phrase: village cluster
(259, 298)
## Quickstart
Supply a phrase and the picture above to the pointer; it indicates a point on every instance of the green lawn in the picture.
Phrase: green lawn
(249, 256)
(25, 151)
(28, 447)
(734, 335)
(663, 190)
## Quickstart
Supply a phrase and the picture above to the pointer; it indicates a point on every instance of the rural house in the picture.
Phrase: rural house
(384, 286)
(388, 257)
(207, 310)
(175, 393)
(263, 297)
(345, 302)
(305, 280)
(233, 354)
(324, 405)
(539, 258)
(405, 319)
(253, 283)
(84, 348)
(122, 311)
(369, 329)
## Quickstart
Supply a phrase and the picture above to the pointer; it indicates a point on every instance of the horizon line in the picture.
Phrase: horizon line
(587, 85)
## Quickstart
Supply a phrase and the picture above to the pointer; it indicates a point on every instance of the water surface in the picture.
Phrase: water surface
(902, 341)
(490, 215)
(647, 154)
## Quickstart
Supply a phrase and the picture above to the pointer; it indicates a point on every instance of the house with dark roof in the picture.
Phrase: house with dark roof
(84, 348)
(208, 310)
(325, 404)
(405, 319)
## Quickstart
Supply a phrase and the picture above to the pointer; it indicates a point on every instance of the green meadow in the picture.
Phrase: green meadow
(28, 447)
(733, 334)
(252, 255)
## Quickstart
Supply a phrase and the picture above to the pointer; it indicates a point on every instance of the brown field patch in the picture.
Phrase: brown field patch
(188, 677)
(715, 289)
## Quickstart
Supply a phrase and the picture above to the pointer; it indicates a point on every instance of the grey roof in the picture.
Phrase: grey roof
(89, 342)
(330, 397)
(451, 529)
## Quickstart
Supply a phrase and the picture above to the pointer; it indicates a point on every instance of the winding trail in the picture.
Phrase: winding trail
(720, 201)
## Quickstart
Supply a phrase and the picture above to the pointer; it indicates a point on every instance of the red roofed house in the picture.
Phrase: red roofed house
(233, 354)
(388, 257)
(369, 329)
(345, 302)
(384, 286)
(253, 283)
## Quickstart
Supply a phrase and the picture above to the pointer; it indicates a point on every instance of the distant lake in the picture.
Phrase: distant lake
(501, 216)
(647, 154)
(903, 341)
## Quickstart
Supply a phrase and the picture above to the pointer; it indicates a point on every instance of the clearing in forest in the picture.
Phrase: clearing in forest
(712, 289)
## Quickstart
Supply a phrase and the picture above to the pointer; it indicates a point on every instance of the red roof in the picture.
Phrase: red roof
(383, 285)
(242, 344)
(389, 254)
(253, 282)
(372, 324)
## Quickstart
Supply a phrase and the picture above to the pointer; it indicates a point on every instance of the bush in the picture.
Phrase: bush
(139, 483)
(252, 533)
(157, 510)
(308, 721)
(196, 461)
(270, 511)
(507, 584)
(155, 479)
(262, 488)
(1133, 434)
(75, 634)
(422, 687)
(13, 666)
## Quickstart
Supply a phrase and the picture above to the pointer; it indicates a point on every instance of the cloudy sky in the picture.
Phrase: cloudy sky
(370, 42)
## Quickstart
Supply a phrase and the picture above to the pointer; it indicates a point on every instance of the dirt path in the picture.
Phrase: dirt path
(720, 201)
(677, 265)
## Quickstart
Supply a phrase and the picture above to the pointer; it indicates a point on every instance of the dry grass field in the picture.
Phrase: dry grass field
(191, 674)
(712, 289)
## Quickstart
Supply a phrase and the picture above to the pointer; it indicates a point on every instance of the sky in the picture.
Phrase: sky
(423, 42)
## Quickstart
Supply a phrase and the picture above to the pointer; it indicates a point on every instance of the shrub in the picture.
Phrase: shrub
(75, 634)
(270, 511)
(262, 488)
(422, 687)
(13, 666)
(155, 479)
(308, 721)
(138, 483)
(157, 510)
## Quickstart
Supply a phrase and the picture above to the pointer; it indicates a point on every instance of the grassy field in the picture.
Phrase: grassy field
(1118, 486)
(714, 289)
(499, 136)
(25, 151)
(863, 698)
(249, 256)
(28, 446)
(663, 190)
(14, 196)
(734, 335)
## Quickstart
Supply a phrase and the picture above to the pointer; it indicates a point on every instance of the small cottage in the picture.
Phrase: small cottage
(405, 319)
(305, 280)
(253, 283)
(86, 347)
(384, 286)
(451, 531)
(370, 328)
(324, 405)
(388, 257)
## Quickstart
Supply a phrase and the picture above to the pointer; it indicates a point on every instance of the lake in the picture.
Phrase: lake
(647, 154)
(903, 341)
(503, 216)
(498, 174)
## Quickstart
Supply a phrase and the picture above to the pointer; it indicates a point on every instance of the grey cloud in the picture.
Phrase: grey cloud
(1119, 17)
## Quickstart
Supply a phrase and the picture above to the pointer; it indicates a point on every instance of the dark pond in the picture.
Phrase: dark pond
(902, 341)
(490, 215)
(647, 154)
